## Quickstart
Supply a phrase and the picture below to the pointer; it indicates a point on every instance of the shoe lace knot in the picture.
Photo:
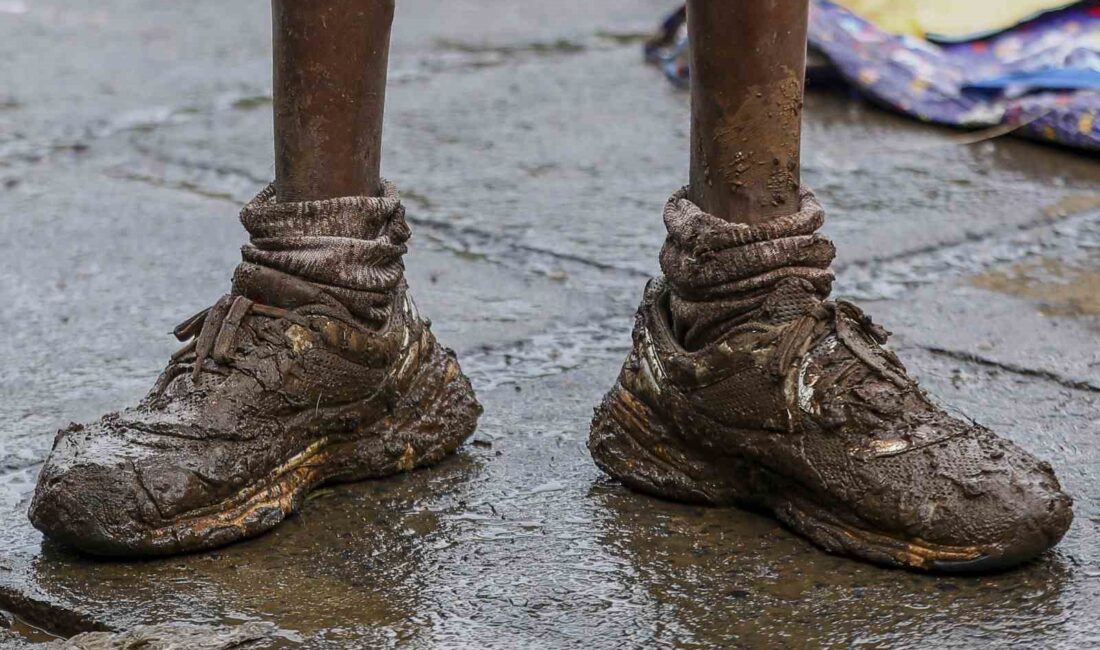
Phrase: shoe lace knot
(211, 334)
(853, 328)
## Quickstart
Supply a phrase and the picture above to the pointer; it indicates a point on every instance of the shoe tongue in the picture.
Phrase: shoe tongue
(788, 301)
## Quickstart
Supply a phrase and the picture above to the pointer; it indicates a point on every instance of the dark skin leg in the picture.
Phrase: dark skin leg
(748, 63)
(330, 91)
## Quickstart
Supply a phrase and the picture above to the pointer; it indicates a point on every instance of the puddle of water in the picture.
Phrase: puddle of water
(1063, 290)
(31, 633)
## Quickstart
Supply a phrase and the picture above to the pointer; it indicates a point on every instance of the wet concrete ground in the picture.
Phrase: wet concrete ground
(535, 154)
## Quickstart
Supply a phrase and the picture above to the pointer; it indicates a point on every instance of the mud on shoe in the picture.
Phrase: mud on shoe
(746, 386)
(316, 368)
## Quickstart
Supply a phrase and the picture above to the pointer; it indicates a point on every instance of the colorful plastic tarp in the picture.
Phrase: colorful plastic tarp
(1041, 76)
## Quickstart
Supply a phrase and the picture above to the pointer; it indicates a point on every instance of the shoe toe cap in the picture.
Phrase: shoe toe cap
(1018, 519)
(89, 495)
(92, 508)
(970, 502)
(1012, 509)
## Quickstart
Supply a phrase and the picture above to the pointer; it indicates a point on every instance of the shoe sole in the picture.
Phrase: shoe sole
(434, 417)
(632, 443)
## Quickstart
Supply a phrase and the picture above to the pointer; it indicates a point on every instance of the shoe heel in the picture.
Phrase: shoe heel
(631, 443)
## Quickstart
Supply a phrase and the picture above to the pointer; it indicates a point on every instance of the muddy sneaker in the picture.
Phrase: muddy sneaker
(315, 368)
(745, 386)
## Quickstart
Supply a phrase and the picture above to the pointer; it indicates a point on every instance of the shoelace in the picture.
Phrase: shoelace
(864, 339)
(211, 334)
(853, 328)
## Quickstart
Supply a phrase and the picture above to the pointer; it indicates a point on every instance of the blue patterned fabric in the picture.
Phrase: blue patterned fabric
(1042, 76)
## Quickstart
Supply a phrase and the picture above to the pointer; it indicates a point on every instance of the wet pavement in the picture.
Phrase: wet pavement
(535, 155)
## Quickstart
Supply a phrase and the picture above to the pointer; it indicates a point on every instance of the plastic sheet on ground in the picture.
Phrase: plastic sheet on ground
(1041, 78)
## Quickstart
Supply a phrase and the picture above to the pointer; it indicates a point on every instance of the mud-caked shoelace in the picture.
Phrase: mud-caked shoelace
(847, 324)
(211, 334)
(852, 327)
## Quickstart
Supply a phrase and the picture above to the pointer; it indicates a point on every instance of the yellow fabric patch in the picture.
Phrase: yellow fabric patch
(896, 16)
(949, 18)
(1084, 125)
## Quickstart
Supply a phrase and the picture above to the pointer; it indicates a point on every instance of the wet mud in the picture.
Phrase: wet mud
(1061, 289)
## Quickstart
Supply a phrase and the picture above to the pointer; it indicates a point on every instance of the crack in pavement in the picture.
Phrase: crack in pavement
(1066, 234)
(421, 67)
(494, 248)
(1068, 382)
(185, 163)
(464, 240)
(875, 279)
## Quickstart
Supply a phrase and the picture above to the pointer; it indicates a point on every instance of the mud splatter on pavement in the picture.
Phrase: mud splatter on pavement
(1061, 290)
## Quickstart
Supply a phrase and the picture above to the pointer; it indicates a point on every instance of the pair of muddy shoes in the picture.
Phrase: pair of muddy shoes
(745, 386)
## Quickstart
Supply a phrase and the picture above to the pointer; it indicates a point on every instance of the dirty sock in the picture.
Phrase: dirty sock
(720, 272)
(349, 248)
